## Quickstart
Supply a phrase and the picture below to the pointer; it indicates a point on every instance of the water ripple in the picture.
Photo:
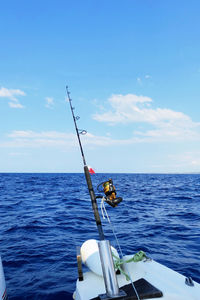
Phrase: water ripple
(45, 216)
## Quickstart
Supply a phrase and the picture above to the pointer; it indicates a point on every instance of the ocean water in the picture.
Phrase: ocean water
(45, 216)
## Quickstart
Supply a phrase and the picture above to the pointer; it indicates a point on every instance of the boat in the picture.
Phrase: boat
(148, 280)
(112, 275)
(3, 293)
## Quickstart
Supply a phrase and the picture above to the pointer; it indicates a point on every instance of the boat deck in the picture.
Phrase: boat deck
(171, 283)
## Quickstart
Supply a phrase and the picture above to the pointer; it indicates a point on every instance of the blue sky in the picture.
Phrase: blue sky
(133, 69)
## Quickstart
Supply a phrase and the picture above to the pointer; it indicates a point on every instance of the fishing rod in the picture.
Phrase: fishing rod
(109, 275)
(78, 131)
(86, 170)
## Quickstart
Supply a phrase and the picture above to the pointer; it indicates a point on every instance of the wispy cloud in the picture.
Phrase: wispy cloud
(18, 154)
(189, 159)
(62, 140)
(143, 79)
(49, 102)
(139, 80)
(12, 95)
(43, 134)
(32, 139)
(15, 104)
(166, 123)
(27, 138)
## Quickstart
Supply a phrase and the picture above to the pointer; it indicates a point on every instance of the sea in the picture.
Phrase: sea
(44, 217)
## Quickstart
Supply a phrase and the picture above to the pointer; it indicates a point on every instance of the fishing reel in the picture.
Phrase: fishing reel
(110, 193)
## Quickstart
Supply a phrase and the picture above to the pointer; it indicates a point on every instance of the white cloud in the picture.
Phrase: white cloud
(133, 108)
(49, 102)
(62, 140)
(166, 123)
(27, 138)
(15, 105)
(32, 139)
(124, 109)
(143, 80)
(18, 154)
(43, 134)
(11, 95)
(189, 160)
(139, 80)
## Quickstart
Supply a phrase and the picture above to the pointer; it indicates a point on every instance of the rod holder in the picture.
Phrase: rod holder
(109, 275)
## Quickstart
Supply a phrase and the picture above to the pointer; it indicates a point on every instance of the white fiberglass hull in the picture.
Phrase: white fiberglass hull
(3, 294)
(169, 282)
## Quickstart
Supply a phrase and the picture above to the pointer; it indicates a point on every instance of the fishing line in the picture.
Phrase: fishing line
(103, 210)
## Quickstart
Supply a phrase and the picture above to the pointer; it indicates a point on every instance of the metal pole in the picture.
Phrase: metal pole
(110, 279)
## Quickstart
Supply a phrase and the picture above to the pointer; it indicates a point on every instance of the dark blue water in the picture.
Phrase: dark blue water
(45, 216)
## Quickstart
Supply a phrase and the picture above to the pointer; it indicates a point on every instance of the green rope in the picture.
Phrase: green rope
(139, 256)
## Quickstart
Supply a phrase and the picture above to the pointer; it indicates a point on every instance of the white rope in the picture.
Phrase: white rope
(104, 212)
(103, 207)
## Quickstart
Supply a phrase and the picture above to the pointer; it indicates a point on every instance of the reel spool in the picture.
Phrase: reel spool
(110, 193)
